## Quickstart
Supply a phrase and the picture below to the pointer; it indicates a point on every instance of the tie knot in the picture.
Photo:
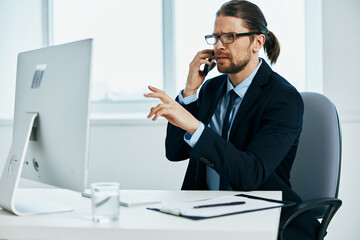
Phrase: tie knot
(232, 96)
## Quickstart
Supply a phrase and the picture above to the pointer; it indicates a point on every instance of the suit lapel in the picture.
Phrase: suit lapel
(261, 78)
(211, 101)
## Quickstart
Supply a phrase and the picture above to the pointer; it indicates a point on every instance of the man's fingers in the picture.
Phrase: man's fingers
(163, 112)
(206, 53)
(162, 97)
(154, 89)
(157, 93)
(156, 111)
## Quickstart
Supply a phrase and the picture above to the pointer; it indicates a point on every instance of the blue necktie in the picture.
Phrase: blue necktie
(231, 106)
(223, 183)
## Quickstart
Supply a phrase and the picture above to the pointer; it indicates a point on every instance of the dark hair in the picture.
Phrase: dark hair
(254, 21)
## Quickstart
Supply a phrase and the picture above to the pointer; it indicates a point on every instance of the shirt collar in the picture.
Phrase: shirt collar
(244, 85)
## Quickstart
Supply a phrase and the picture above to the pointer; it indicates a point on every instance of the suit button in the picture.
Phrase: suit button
(204, 160)
(207, 162)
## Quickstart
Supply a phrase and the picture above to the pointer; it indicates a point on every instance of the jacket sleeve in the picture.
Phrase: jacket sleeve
(175, 147)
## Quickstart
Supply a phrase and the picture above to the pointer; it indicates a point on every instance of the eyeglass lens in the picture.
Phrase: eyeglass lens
(225, 38)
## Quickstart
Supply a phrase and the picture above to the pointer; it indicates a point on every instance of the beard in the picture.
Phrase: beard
(234, 67)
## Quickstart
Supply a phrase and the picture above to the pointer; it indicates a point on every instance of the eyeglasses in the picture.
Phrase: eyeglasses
(226, 38)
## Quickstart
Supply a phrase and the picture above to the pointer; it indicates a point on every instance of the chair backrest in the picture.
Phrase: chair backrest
(316, 169)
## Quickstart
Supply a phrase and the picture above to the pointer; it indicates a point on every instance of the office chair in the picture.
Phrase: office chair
(315, 174)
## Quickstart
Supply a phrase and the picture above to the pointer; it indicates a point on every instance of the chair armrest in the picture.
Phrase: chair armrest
(292, 212)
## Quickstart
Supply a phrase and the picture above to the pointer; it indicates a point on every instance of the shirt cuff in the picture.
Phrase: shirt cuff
(186, 100)
(193, 139)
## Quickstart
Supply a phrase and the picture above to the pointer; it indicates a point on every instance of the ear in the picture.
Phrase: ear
(258, 42)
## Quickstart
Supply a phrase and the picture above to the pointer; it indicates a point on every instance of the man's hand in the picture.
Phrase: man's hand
(172, 111)
(195, 78)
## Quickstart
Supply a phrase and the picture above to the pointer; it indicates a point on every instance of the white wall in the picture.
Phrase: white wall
(132, 152)
(5, 141)
(341, 50)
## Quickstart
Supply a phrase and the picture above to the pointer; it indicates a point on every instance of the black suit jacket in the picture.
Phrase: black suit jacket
(262, 142)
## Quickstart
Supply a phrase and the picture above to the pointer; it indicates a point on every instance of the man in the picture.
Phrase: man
(250, 145)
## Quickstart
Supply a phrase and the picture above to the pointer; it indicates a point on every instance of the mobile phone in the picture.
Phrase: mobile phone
(207, 68)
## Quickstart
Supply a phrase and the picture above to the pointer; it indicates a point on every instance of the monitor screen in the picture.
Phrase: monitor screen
(54, 82)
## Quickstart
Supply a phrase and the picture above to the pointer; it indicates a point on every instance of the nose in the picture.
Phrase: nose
(219, 45)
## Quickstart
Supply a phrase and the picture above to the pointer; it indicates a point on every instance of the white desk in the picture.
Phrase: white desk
(140, 223)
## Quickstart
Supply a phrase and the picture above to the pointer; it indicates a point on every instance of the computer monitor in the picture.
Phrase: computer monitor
(51, 123)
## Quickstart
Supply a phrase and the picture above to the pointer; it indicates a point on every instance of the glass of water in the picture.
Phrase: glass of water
(105, 201)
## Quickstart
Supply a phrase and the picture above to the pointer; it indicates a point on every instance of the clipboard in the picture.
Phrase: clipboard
(221, 206)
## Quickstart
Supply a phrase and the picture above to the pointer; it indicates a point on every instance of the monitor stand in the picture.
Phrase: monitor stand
(23, 201)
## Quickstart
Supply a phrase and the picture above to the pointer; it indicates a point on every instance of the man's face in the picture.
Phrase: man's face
(234, 57)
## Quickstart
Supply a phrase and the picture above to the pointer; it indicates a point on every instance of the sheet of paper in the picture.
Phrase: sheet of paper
(188, 210)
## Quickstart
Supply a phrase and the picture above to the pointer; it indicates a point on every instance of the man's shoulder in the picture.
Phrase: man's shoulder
(275, 86)
(281, 84)
(279, 90)
(272, 80)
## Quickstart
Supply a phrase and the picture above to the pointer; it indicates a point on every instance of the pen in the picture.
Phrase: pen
(220, 204)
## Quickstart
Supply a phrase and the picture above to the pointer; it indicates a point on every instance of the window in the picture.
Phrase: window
(127, 53)
(151, 42)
